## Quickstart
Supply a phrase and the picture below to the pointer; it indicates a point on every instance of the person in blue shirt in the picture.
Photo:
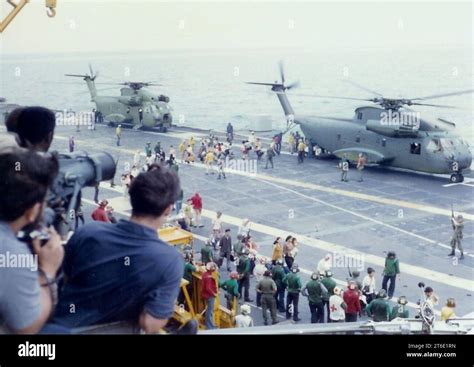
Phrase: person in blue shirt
(123, 271)
(27, 284)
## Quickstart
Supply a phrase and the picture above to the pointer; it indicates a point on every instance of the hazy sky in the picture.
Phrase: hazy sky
(107, 25)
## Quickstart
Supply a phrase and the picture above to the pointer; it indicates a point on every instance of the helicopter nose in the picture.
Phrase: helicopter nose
(463, 158)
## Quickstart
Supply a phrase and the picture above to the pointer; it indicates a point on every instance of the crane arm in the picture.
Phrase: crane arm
(19, 5)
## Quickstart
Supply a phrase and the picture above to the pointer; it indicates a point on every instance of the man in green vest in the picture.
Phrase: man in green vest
(267, 288)
(231, 286)
(207, 255)
(243, 268)
(315, 291)
(148, 150)
(278, 273)
(379, 308)
(189, 268)
(400, 310)
(293, 282)
(390, 272)
(330, 284)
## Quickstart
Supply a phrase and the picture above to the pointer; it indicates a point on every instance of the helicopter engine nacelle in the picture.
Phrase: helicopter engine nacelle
(163, 98)
(393, 128)
(131, 100)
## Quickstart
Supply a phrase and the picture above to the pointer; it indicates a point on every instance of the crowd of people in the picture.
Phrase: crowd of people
(278, 285)
(72, 280)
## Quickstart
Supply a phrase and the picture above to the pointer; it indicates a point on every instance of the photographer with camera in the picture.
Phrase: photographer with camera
(123, 271)
(28, 290)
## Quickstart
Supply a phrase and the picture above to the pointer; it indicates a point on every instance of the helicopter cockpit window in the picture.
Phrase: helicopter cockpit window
(359, 116)
(447, 143)
(434, 145)
(415, 148)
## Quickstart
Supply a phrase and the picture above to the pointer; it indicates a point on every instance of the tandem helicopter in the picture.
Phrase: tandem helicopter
(135, 107)
(389, 134)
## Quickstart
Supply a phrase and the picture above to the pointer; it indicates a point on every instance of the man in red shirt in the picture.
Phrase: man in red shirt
(351, 299)
(196, 201)
(209, 293)
(100, 215)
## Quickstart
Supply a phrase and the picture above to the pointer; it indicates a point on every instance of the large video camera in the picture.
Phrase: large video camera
(76, 171)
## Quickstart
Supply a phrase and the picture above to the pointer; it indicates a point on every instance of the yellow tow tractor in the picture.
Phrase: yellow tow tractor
(193, 307)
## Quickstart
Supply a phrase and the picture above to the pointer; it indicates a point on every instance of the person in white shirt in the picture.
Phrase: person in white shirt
(125, 179)
(337, 306)
(295, 250)
(149, 161)
(135, 171)
(244, 228)
(244, 319)
(324, 265)
(252, 139)
(217, 228)
(172, 154)
(369, 286)
(136, 158)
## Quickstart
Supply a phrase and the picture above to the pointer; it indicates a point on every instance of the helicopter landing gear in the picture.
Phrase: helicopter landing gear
(456, 178)
(163, 129)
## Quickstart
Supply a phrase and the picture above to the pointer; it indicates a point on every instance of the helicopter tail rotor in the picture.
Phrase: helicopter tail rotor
(92, 76)
(279, 89)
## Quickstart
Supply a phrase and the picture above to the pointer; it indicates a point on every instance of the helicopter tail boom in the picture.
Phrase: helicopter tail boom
(285, 104)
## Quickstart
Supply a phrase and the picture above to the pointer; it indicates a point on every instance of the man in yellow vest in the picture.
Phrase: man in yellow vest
(209, 160)
(301, 151)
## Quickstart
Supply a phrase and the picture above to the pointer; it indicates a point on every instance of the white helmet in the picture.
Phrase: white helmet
(245, 309)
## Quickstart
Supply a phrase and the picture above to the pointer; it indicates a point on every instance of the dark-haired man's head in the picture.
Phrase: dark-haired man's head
(34, 127)
(152, 195)
(26, 177)
(12, 119)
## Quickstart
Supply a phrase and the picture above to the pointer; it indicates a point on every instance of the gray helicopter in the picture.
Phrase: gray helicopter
(390, 134)
(135, 107)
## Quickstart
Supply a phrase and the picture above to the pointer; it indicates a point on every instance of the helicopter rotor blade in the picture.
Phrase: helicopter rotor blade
(433, 105)
(282, 72)
(268, 84)
(335, 97)
(77, 75)
(363, 88)
(443, 95)
(293, 85)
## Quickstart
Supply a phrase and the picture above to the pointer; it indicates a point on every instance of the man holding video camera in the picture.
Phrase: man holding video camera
(28, 290)
(123, 271)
